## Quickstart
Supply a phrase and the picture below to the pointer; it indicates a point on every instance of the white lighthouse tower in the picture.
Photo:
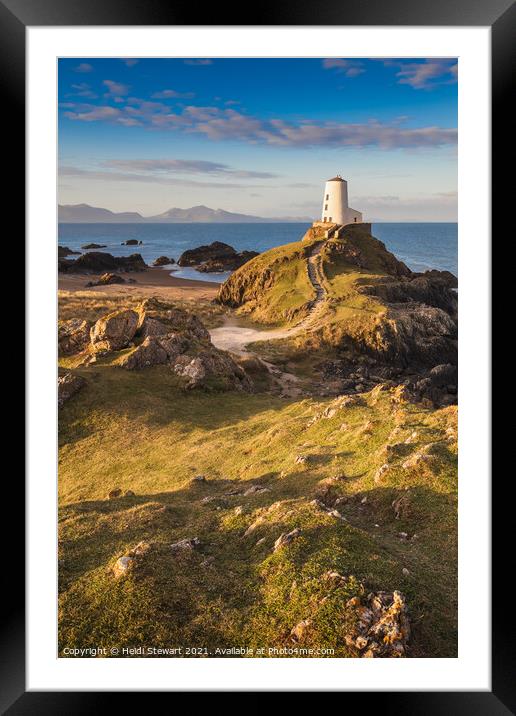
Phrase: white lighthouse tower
(335, 209)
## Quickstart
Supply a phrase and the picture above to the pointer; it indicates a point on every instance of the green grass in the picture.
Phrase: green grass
(140, 431)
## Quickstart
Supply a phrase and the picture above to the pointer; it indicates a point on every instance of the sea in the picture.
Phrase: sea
(422, 246)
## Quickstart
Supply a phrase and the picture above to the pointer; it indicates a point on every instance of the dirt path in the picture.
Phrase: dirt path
(235, 337)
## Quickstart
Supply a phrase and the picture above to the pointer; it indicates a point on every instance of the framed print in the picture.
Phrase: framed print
(258, 268)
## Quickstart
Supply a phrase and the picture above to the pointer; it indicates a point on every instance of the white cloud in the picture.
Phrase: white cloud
(83, 67)
(350, 68)
(116, 89)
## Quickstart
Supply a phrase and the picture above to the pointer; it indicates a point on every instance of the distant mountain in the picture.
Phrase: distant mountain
(83, 213)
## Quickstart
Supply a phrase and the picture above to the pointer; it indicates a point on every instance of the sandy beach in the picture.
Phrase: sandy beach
(153, 281)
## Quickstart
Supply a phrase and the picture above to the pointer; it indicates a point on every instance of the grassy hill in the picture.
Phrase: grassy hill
(364, 486)
(141, 432)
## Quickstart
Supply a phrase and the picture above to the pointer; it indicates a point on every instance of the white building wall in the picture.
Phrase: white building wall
(335, 208)
(335, 202)
(354, 216)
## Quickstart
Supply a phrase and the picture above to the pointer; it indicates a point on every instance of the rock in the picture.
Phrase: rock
(212, 368)
(101, 262)
(256, 489)
(299, 631)
(149, 353)
(198, 479)
(128, 561)
(163, 261)
(113, 494)
(63, 251)
(381, 472)
(383, 625)
(106, 279)
(301, 459)
(93, 246)
(129, 493)
(122, 566)
(405, 571)
(131, 242)
(261, 541)
(335, 579)
(67, 386)
(361, 642)
(73, 336)
(114, 331)
(215, 257)
(239, 510)
(286, 538)
(187, 544)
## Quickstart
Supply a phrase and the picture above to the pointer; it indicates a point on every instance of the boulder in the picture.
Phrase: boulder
(215, 257)
(163, 261)
(68, 385)
(63, 251)
(211, 367)
(155, 350)
(100, 262)
(114, 331)
(131, 242)
(106, 279)
(73, 336)
(93, 246)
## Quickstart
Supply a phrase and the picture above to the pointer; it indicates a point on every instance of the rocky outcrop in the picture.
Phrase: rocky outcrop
(106, 279)
(176, 338)
(439, 386)
(63, 251)
(382, 626)
(163, 261)
(155, 351)
(68, 385)
(211, 366)
(215, 257)
(73, 336)
(114, 331)
(101, 262)
(93, 246)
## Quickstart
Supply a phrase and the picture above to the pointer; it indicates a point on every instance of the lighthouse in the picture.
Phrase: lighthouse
(335, 209)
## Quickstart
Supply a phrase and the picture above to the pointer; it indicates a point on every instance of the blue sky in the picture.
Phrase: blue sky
(260, 136)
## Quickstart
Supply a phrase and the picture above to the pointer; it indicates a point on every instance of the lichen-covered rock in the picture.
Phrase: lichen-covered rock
(286, 538)
(67, 385)
(147, 354)
(299, 632)
(382, 626)
(114, 331)
(73, 336)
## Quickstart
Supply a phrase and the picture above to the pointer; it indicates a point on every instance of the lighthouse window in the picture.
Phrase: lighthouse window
(326, 207)
(327, 197)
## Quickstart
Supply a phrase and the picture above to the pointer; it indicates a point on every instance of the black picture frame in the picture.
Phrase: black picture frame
(15, 16)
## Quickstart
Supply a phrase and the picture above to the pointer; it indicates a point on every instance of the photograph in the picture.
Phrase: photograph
(257, 357)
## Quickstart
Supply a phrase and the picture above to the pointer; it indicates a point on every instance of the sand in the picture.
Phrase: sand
(153, 281)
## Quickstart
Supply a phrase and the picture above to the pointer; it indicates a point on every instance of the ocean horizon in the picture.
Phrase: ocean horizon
(421, 245)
